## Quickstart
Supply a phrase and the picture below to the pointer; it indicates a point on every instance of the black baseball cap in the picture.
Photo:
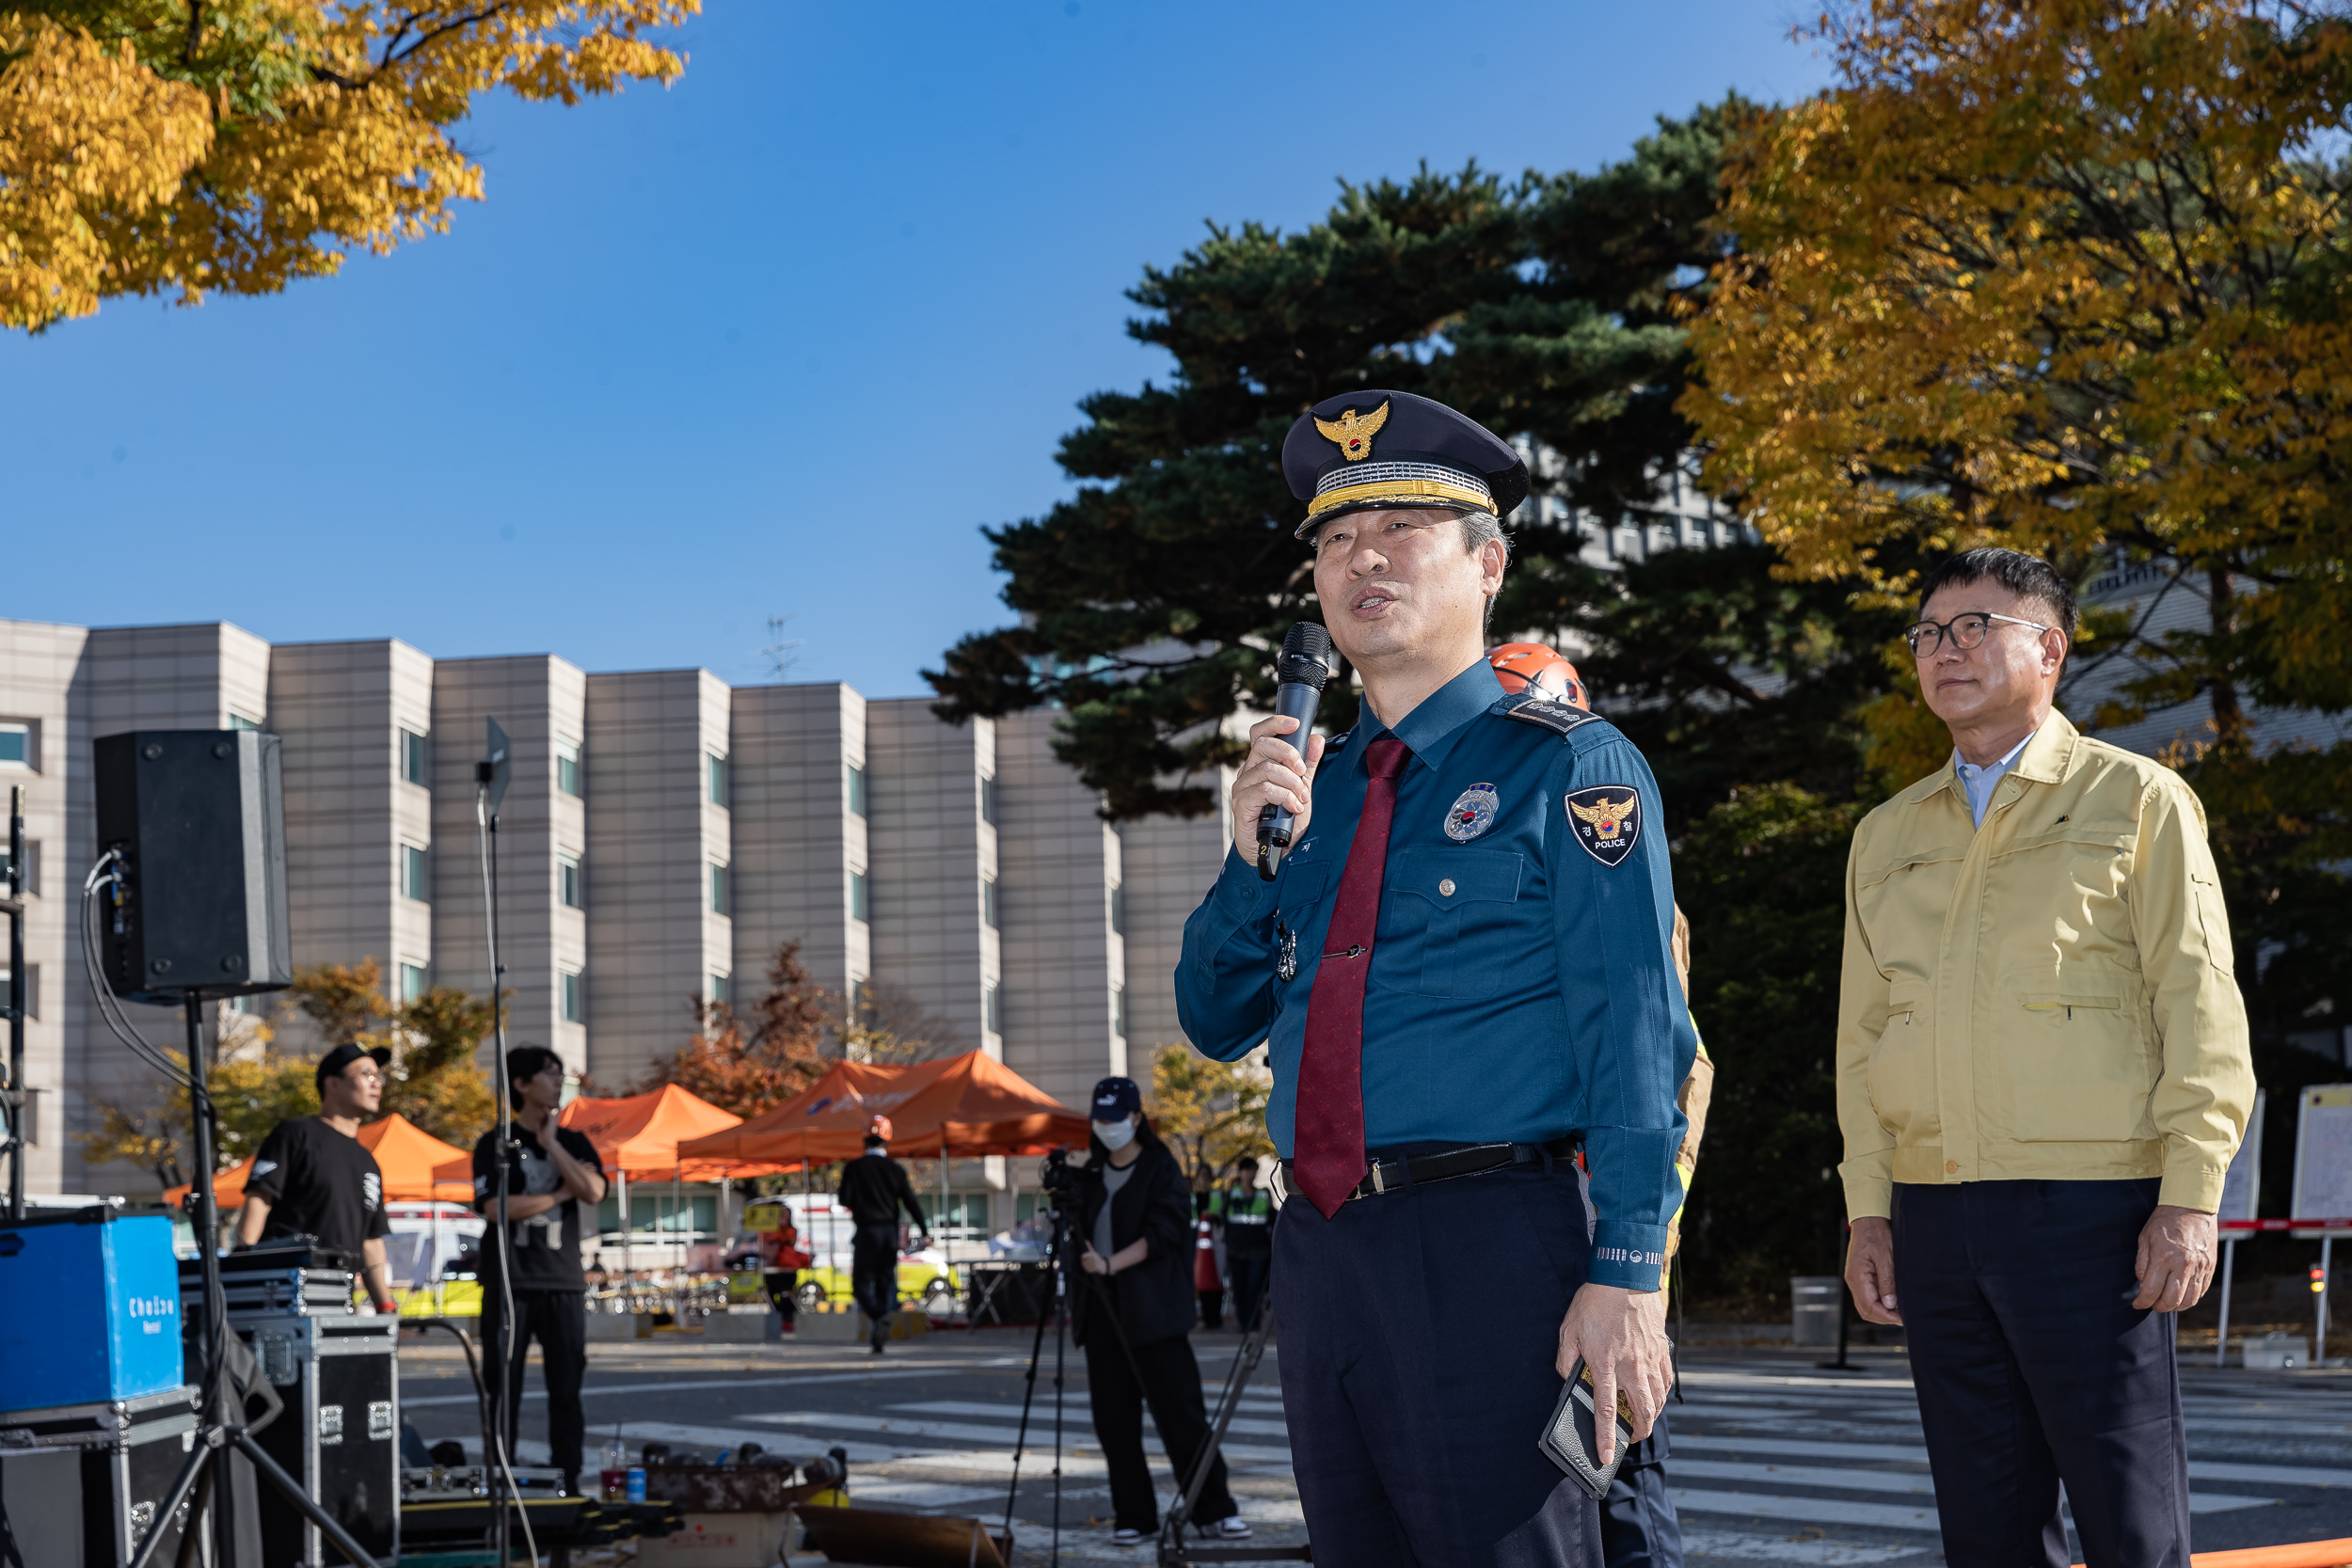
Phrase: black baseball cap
(333, 1064)
(1115, 1099)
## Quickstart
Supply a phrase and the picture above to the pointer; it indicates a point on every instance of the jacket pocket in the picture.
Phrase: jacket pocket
(1902, 1075)
(1456, 906)
(2077, 1066)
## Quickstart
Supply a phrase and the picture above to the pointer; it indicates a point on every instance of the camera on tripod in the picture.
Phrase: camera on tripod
(1062, 1181)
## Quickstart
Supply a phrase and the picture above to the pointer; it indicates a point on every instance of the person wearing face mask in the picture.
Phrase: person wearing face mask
(1131, 1309)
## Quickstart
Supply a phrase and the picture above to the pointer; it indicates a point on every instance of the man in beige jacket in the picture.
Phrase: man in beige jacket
(2042, 1075)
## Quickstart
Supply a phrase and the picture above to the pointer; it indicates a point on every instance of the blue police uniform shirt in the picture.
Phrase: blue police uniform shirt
(1522, 983)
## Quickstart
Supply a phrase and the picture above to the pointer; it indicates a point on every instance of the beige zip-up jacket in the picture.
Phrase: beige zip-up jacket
(2048, 997)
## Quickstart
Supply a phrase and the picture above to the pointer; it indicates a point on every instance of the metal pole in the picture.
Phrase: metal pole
(2229, 1269)
(204, 1218)
(17, 1099)
(2319, 1344)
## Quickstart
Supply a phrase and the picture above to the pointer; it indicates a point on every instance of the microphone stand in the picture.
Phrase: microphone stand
(502, 1402)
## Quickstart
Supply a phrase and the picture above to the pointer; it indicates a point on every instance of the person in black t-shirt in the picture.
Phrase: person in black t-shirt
(554, 1181)
(310, 1176)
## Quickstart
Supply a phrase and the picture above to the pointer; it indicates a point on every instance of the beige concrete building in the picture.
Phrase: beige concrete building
(662, 834)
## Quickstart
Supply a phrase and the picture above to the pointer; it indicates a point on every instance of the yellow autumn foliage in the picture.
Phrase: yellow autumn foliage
(2066, 275)
(183, 147)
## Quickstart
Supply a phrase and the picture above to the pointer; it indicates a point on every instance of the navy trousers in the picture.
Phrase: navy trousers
(1249, 1272)
(1639, 1527)
(2033, 1368)
(874, 1270)
(1418, 1335)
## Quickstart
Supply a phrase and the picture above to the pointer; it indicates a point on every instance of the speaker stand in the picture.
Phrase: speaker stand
(220, 1424)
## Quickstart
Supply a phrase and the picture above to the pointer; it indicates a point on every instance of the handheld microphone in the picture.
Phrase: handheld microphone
(1304, 670)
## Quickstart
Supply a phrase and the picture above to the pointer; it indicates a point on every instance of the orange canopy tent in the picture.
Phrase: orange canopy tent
(638, 1135)
(955, 1108)
(417, 1167)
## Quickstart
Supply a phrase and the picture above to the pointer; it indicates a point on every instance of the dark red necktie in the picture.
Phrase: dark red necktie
(1327, 1123)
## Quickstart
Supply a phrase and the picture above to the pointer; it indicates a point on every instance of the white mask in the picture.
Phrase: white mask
(1116, 1136)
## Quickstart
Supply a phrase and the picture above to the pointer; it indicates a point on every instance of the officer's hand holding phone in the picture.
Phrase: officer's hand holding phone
(1274, 775)
(1621, 1335)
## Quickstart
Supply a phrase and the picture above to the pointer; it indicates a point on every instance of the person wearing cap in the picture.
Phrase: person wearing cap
(554, 1183)
(311, 1177)
(1132, 1310)
(874, 1189)
(1463, 968)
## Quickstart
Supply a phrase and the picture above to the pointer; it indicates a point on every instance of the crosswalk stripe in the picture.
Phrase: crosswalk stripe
(1244, 1425)
(1817, 1510)
(1803, 1475)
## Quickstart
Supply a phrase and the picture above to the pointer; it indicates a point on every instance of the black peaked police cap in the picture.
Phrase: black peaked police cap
(1376, 448)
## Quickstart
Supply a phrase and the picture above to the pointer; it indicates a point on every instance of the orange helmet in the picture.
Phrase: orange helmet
(1521, 665)
(879, 1128)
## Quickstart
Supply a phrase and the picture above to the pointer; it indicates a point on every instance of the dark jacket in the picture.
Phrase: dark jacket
(1155, 1299)
(874, 1188)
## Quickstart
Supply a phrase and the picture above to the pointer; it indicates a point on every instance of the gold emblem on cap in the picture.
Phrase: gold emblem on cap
(1354, 436)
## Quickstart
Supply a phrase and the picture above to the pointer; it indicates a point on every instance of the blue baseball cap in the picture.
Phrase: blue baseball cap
(1116, 1099)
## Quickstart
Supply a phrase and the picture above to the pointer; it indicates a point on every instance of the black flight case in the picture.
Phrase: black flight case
(82, 1484)
(339, 1375)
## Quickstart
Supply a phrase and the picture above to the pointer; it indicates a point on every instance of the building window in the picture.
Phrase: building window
(988, 903)
(857, 895)
(239, 721)
(16, 746)
(991, 1018)
(412, 982)
(32, 990)
(248, 1005)
(414, 879)
(568, 890)
(722, 990)
(575, 996)
(988, 799)
(1118, 1012)
(412, 758)
(568, 776)
(1119, 909)
(722, 894)
(716, 770)
(857, 790)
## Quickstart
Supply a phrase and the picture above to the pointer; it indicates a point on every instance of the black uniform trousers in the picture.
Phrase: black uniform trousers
(2033, 1368)
(1248, 1269)
(1171, 1386)
(1639, 1527)
(1419, 1330)
(558, 1321)
(874, 1270)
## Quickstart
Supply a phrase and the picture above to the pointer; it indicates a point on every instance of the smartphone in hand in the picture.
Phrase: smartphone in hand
(1571, 1438)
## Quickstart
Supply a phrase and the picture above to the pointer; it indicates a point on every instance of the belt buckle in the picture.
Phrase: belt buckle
(1379, 1182)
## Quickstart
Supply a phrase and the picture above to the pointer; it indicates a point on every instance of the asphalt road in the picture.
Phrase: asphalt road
(1775, 1462)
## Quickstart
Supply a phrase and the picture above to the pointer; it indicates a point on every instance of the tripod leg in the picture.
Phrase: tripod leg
(275, 1474)
(180, 1486)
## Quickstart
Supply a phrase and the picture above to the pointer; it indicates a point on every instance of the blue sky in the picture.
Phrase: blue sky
(777, 340)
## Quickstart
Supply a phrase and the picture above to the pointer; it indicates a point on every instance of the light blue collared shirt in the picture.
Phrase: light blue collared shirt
(1979, 782)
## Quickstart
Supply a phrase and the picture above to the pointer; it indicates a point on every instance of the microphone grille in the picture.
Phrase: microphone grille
(1306, 654)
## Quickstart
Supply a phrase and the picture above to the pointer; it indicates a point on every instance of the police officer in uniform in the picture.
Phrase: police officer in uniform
(1247, 1213)
(1463, 967)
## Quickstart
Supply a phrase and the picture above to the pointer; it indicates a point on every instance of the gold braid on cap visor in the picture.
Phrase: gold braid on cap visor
(1398, 484)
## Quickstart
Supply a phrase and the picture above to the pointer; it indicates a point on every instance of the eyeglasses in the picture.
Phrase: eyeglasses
(1967, 631)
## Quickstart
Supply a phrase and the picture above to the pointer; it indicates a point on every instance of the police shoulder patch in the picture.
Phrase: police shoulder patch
(1607, 819)
(1543, 712)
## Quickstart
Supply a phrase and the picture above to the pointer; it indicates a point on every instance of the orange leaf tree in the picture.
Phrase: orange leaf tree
(187, 146)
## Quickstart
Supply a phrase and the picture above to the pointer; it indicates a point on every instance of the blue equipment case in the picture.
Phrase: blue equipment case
(89, 1308)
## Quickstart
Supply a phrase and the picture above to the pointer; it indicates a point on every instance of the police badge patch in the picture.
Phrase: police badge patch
(1607, 819)
(1472, 812)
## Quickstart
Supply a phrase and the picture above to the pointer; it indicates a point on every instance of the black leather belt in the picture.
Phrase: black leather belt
(1396, 1176)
